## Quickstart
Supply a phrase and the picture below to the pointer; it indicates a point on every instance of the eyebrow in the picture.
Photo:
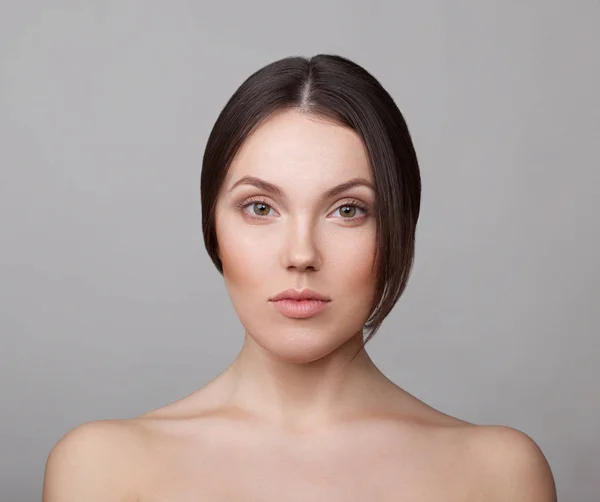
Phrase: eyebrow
(276, 191)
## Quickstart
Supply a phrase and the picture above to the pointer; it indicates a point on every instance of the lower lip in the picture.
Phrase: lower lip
(300, 309)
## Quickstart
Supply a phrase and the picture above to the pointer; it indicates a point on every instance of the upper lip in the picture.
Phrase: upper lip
(305, 294)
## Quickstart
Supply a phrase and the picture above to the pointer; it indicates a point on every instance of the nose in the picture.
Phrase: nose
(301, 251)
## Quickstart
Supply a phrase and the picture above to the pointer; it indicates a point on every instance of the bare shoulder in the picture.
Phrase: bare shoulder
(96, 461)
(499, 463)
(510, 465)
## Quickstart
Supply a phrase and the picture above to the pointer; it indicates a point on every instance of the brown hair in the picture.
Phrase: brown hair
(335, 88)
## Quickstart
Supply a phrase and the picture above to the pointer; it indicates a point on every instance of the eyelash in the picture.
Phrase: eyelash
(350, 203)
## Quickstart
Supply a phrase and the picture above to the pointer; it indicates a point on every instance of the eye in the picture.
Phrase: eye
(349, 210)
(260, 208)
(255, 208)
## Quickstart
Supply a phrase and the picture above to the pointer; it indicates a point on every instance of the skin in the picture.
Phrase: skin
(293, 417)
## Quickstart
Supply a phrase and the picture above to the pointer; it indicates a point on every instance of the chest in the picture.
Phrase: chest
(308, 473)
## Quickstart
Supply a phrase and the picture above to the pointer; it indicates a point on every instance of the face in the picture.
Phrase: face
(283, 222)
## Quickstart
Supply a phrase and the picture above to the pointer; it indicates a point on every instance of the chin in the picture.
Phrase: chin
(300, 345)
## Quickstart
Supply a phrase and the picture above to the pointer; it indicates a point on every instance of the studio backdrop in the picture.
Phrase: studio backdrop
(109, 304)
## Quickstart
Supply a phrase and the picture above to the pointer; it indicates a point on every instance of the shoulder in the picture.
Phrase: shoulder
(96, 461)
(510, 465)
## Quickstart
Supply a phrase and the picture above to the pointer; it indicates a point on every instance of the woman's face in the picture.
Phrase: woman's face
(279, 228)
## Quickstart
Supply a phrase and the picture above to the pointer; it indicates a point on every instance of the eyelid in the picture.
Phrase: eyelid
(353, 202)
(350, 201)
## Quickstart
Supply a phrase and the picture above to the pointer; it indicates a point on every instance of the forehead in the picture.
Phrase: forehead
(296, 149)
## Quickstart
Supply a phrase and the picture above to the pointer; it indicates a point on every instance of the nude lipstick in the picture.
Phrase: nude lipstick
(299, 304)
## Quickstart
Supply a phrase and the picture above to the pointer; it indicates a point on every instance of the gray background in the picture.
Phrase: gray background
(109, 305)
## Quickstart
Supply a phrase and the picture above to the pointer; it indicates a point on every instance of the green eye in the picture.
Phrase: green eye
(261, 209)
(349, 211)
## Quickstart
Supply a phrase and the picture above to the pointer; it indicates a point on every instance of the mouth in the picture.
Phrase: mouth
(300, 304)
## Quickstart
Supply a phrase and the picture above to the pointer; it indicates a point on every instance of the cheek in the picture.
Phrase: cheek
(351, 259)
(247, 256)
(350, 276)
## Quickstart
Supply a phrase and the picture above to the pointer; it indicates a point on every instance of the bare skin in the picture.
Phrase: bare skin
(211, 446)
(392, 447)
(379, 455)
(295, 417)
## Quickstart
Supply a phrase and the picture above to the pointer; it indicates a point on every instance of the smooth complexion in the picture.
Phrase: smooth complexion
(295, 417)
(296, 211)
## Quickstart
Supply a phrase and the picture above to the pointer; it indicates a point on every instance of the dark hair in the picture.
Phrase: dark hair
(334, 88)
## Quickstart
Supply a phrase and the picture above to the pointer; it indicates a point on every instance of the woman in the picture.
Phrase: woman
(310, 194)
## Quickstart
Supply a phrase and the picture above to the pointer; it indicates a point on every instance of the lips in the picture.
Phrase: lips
(299, 304)
(305, 294)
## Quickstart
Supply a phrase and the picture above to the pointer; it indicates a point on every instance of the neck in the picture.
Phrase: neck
(304, 394)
